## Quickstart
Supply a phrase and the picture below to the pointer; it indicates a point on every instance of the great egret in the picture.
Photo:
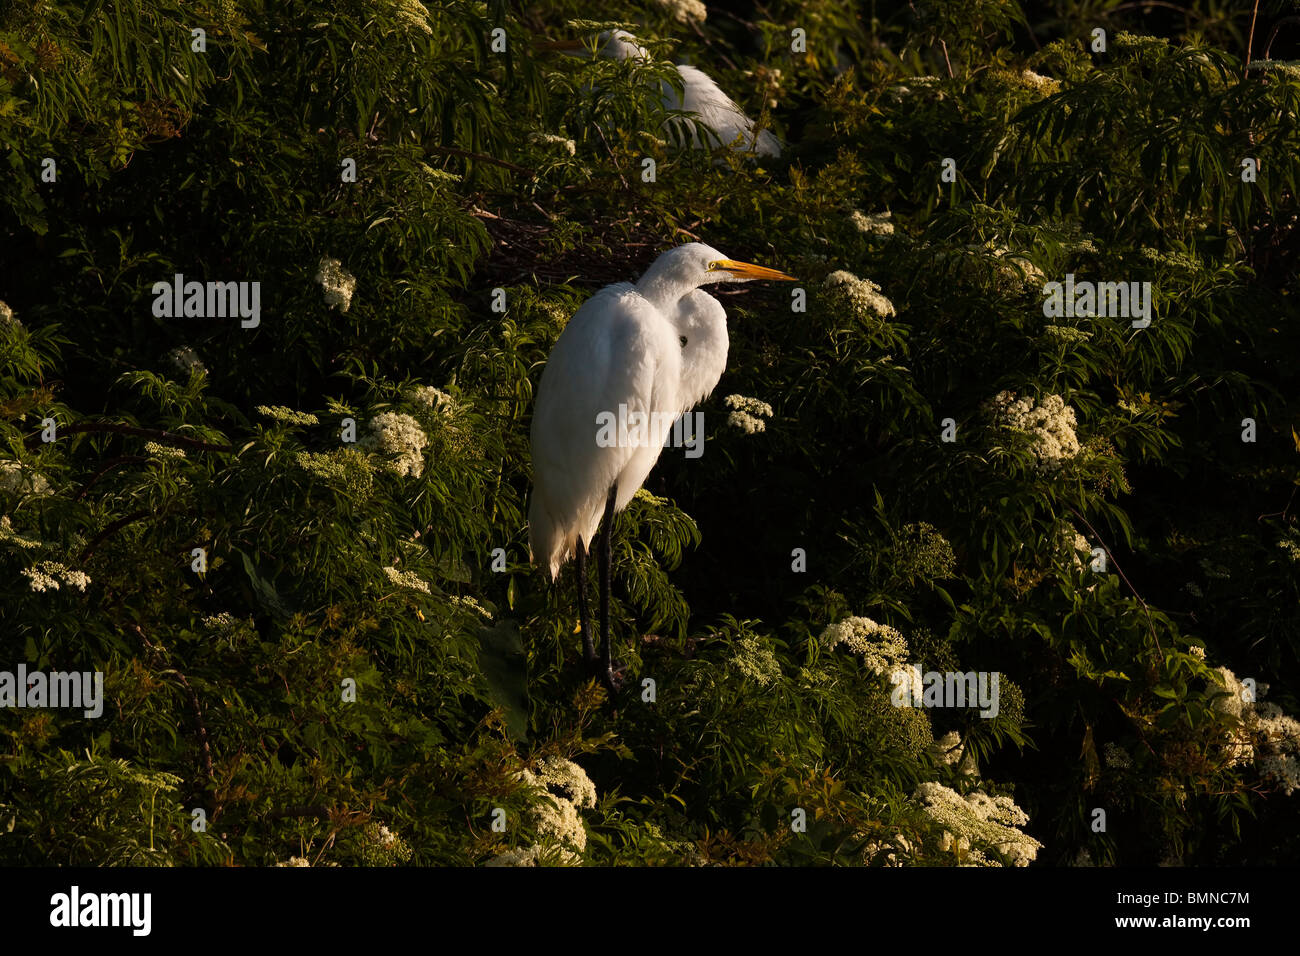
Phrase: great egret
(640, 354)
(700, 95)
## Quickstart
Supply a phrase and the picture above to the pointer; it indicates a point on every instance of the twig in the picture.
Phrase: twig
(114, 463)
(194, 703)
(1250, 37)
(117, 525)
(453, 151)
(156, 433)
(1110, 554)
(946, 61)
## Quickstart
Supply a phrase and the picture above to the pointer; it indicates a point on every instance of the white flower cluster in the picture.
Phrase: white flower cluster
(755, 660)
(382, 847)
(1067, 334)
(399, 438)
(9, 536)
(862, 296)
(551, 139)
(1042, 85)
(224, 621)
(17, 478)
(286, 415)
(45, 575)
(882, 648)
(406, 579)
(746, 413)
(184, 359)
(555, 814)
(338, 283)
(947, 750)
(163, 451)
(978, 820)
(1051, 422)
(471, 604)
(1016, 273)
(7, 317)
(684, 11)
(1267, 736)
(434, 398)
(876, 225)
(413, 14)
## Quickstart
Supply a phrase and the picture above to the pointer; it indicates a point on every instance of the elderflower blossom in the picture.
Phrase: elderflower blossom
(1042, 85)
(471, 604)
(684, 11)
(1067, 334)
(755, 660)
(399, 438)
(1050, 422)
(1015, 272)
(413, 14)
(883, 649)
(745, 413)
(1266, 736)
(551, 139)
(383, 847)
(163, 451)
(874, 225)
(562, 787)
(862, 296)
(287, 416)
(431, 397)
(17, 478)
(7, 317)
(347, 467)
(338, 283)
(978, 820)
(9, 536)
(406, 579)
(45, 575)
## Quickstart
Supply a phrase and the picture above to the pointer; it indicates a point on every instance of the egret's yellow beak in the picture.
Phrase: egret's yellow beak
(747, 270)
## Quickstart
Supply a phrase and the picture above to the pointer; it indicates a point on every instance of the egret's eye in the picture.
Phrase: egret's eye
(713, 266)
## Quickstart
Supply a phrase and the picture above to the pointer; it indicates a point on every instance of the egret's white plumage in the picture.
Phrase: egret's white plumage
(659, 345)
(701, 96)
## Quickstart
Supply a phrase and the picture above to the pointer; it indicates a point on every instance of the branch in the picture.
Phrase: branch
(117, 525)
(163, 436)
(114, 463)
(194, 703)
(1110, 554)
(453, 151)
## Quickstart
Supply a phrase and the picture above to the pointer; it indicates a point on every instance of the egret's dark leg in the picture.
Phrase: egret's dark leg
(604, 556)
(584, 619)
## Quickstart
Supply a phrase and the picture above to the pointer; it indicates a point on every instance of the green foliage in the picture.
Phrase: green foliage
(338, 650)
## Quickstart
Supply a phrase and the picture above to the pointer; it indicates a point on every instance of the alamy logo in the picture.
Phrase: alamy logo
(649, 430)
(77, 689)
(208, 300)
(1117, 300)
(946, 689)
(103, 909)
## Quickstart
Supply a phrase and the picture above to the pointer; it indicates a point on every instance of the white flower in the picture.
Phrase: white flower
(883, 649)
(406, 579)
(1050, 422)
(399, 438)
(413, 14)
(338, 283)
(745, 413)
(978, 821)
(550, 139)
(220, 622)
(861, 296)
(8, 318)
(874, 225)
(555, 814)
(163, 451)
(684, 11)
(1015, 272)
(287, 415)
(471, 604)
(17, 478)
(9, 536)
(1042, 85)
(434, 398)
(45, 575)
(755, 660)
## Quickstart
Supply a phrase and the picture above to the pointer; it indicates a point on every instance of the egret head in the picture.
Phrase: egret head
(619, 45)
(694, 264)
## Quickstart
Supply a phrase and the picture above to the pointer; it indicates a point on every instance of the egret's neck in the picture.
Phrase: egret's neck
(663, 291)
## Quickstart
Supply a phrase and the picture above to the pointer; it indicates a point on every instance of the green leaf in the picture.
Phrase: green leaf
(505, 669)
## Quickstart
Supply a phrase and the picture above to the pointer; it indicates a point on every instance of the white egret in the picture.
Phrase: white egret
(642, 354)
(700, 95)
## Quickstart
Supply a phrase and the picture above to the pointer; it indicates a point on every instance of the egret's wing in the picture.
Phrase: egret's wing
(702, 96)
(616, 359)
